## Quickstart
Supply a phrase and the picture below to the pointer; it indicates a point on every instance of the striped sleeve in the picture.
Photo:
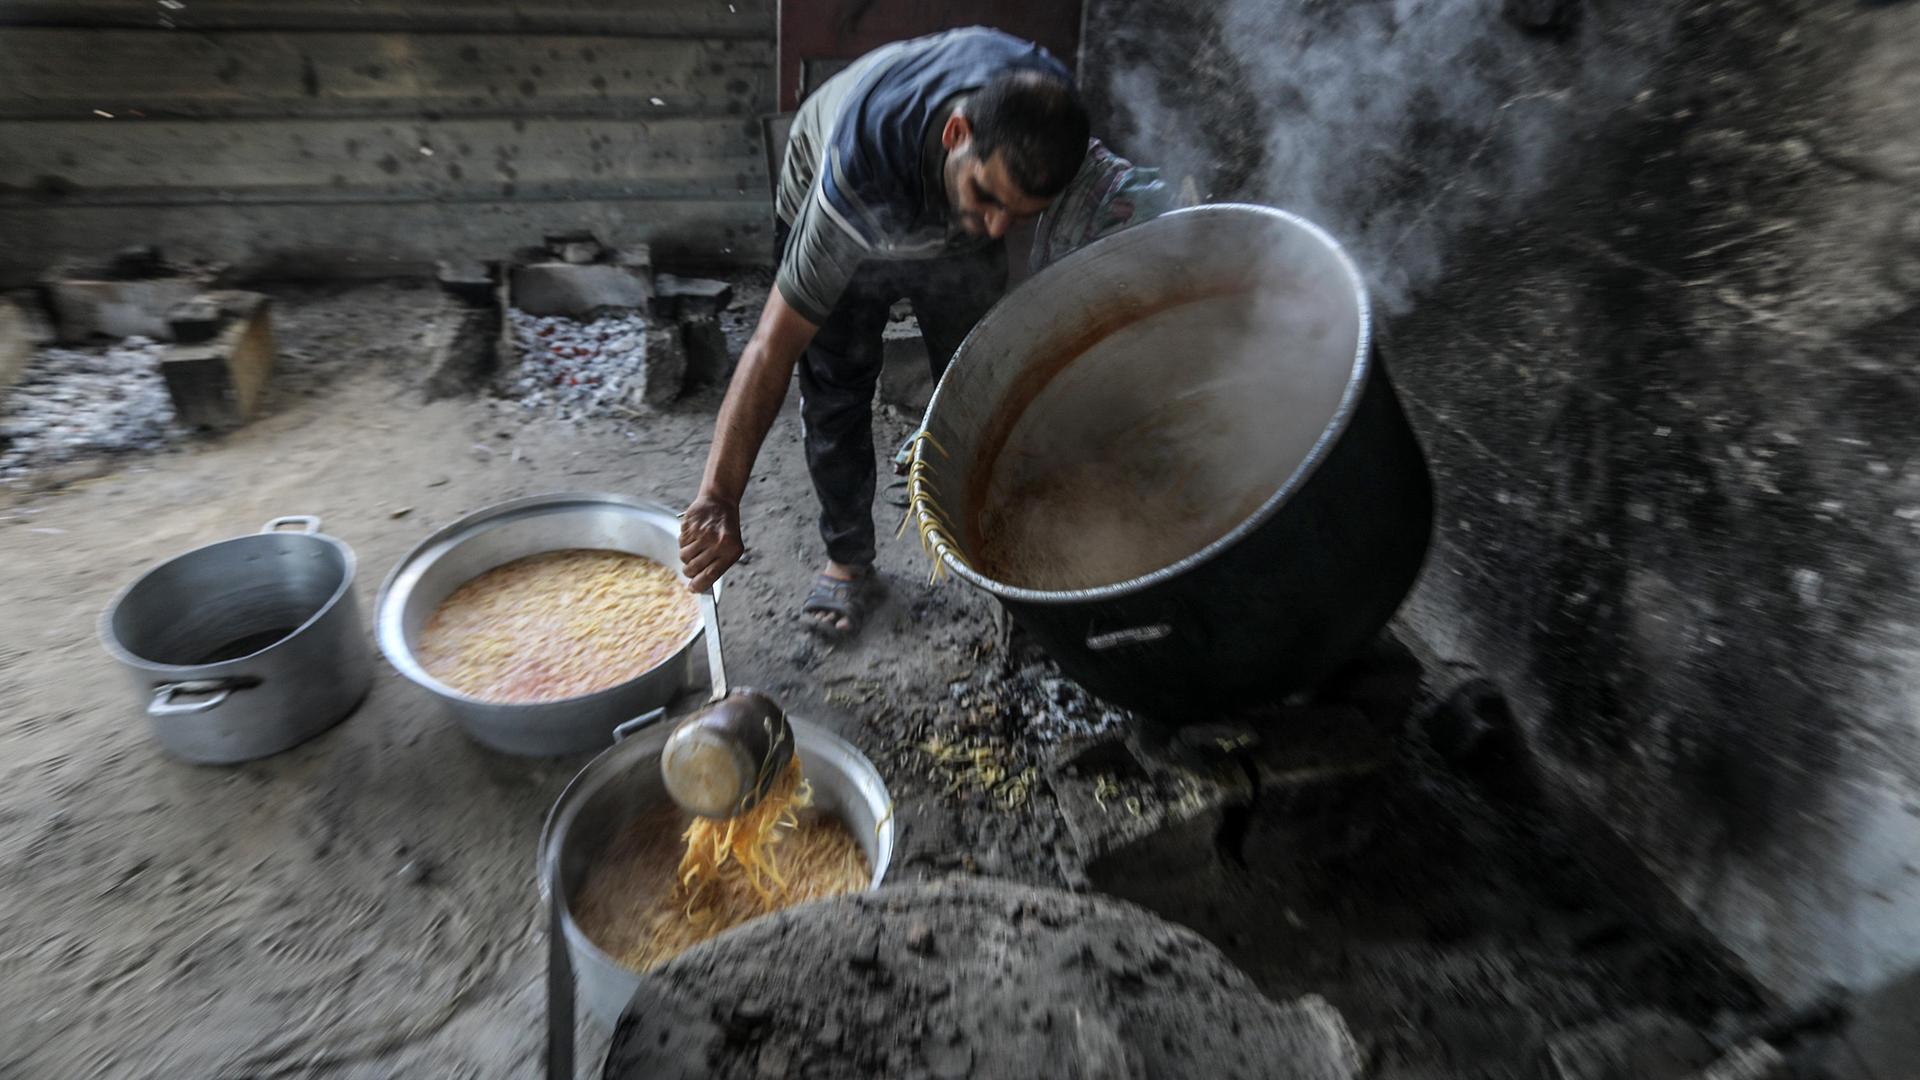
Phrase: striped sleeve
(820, 260)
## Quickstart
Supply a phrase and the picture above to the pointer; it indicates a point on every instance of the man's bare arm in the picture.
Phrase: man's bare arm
(710, 540)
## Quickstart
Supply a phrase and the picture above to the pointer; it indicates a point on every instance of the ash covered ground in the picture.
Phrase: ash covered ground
(377, 881)
(75, 403)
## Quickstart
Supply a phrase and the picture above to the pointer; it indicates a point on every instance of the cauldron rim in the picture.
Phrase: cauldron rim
(1336, 425)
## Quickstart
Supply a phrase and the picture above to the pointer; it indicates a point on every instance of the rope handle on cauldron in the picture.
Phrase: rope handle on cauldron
(936, 529)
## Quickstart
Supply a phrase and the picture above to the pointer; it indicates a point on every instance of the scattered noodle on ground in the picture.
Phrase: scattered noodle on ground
(556, 625)
(650, 898)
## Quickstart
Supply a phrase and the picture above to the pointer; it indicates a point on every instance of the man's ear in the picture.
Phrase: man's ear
(958, 132)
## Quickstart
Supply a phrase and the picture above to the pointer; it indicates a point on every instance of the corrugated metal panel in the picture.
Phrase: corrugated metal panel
(451, 129)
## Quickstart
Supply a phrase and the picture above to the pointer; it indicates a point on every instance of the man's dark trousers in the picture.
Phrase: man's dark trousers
(840, 373)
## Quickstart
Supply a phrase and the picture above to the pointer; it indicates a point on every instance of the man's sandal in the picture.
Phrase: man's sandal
(834, 599)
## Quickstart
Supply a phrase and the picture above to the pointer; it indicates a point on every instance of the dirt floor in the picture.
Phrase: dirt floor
(364, 905)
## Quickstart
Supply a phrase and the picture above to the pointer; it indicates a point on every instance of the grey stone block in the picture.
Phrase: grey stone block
(709, 361)
(665, 374)
(219, 383)
(685, 297)
(89, 308)
(558, 288)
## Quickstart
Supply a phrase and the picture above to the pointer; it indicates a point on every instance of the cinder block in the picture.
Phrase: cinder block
(685, 297)
(665, 373)
(709, 361)
(220, 383)
(89, 308)
(578, 292)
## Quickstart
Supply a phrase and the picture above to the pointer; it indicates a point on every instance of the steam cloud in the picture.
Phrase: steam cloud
(1396, 124)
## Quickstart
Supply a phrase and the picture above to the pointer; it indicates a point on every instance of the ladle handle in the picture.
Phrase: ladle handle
(716, 666)
(560, 1030)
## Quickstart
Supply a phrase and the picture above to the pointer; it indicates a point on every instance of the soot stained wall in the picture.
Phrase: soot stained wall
(1650, 281)
(315, 138)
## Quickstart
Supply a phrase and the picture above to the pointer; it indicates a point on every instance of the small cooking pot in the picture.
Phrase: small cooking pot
(246, 647)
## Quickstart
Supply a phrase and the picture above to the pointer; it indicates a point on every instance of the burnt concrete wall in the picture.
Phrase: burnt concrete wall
(1651, 288)
(328, 137)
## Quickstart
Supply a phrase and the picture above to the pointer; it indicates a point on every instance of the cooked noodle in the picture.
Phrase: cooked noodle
(556, 625)
(640, 912)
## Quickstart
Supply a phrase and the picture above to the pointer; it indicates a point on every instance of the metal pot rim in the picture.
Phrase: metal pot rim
(386, 607)
(567, 807)
(1336, 425)
(126, 656)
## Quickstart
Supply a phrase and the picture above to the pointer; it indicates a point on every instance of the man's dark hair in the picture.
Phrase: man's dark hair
(1038, 122)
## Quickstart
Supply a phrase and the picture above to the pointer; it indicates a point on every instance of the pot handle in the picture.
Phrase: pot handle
(621, 731)
(308, 523)
(1132, 635)
(163, 703)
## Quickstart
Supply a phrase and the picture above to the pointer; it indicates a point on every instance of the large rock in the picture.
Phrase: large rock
(969, 977)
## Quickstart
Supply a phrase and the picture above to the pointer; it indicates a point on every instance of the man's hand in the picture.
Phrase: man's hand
(709, 540)
(710, 529)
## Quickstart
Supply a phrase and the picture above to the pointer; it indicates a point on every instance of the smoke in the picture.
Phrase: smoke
(1399, 125)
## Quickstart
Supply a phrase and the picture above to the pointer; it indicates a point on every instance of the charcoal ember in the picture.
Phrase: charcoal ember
(578, 369)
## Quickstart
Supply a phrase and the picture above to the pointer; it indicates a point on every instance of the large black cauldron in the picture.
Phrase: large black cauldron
(1176, 459)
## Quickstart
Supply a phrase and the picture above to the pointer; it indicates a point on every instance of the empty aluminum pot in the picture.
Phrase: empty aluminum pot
(246, 647)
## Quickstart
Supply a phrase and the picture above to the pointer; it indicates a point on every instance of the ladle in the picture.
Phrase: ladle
(720, 761)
